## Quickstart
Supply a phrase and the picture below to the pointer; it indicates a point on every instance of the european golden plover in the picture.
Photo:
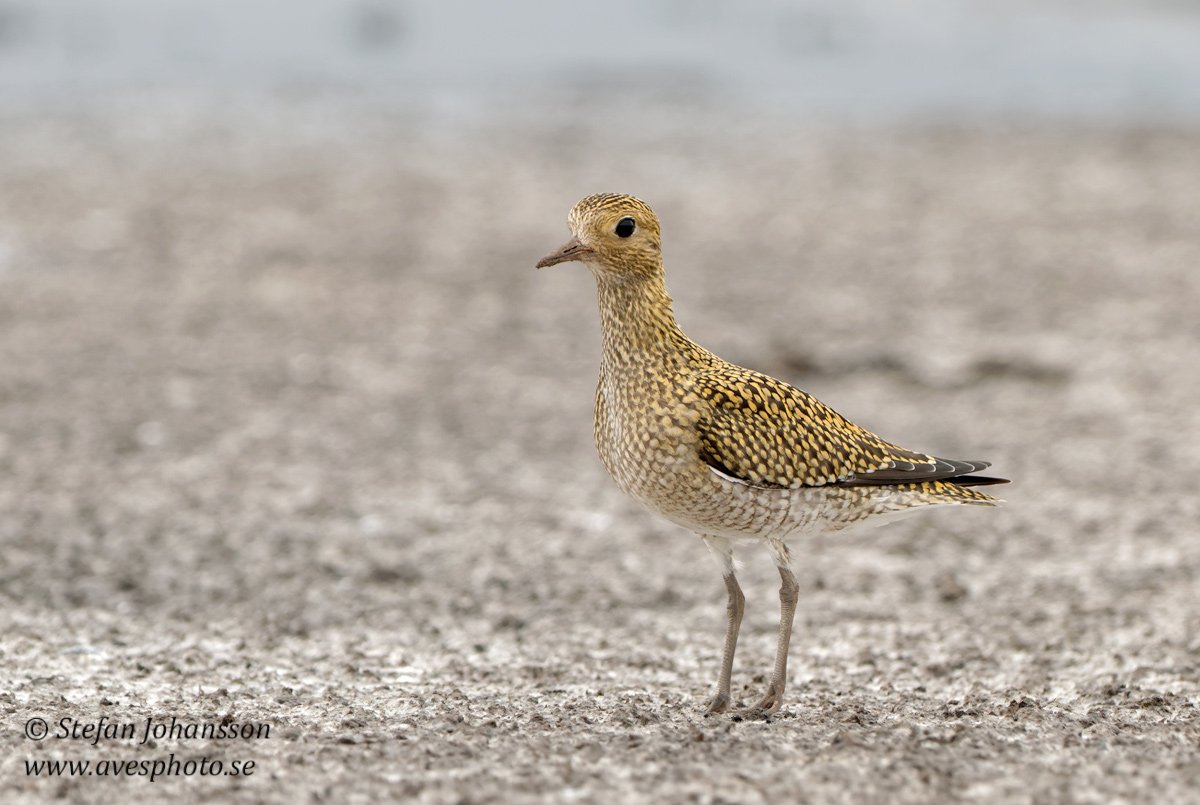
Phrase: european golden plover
(727, 452)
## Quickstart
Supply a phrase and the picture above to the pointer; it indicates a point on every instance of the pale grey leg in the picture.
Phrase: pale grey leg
(788, 593)
(723, 551)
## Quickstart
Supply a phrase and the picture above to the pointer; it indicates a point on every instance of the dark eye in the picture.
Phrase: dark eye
(625, 227)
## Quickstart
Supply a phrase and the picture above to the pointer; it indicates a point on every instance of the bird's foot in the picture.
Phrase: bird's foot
(719, 704)
(768, 704)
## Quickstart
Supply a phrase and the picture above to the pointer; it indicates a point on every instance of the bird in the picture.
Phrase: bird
(730, 453)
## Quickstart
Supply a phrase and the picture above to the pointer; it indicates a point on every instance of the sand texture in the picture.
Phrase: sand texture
(292, 433)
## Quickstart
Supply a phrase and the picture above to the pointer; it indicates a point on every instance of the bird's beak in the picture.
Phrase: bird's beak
(573, 249)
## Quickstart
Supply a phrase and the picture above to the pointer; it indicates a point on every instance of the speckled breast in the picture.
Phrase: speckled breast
(652, 452)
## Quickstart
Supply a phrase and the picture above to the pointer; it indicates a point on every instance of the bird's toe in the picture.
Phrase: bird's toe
(719, 704)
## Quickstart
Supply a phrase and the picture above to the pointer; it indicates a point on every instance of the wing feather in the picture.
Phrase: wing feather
(763, 432)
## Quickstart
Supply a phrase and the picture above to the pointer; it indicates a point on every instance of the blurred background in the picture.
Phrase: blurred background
(1111, 60)
(291, 428)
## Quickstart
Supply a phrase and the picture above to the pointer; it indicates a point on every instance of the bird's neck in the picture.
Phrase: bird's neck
(636, 320)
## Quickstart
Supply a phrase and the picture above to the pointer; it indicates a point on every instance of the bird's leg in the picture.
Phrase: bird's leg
(788, 593)
(737, 605)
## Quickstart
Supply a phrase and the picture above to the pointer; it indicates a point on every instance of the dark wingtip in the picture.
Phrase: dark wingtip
(952, 471)
(966, 467)
(976, 480)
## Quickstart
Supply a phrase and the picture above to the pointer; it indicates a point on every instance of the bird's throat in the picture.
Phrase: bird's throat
(636, 320)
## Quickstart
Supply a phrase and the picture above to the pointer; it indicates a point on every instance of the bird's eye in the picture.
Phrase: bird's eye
(625, 227)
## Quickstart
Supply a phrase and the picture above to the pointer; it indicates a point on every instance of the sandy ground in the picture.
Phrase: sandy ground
(292, 433)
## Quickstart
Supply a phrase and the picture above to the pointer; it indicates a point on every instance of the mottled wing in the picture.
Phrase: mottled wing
(763, 432)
